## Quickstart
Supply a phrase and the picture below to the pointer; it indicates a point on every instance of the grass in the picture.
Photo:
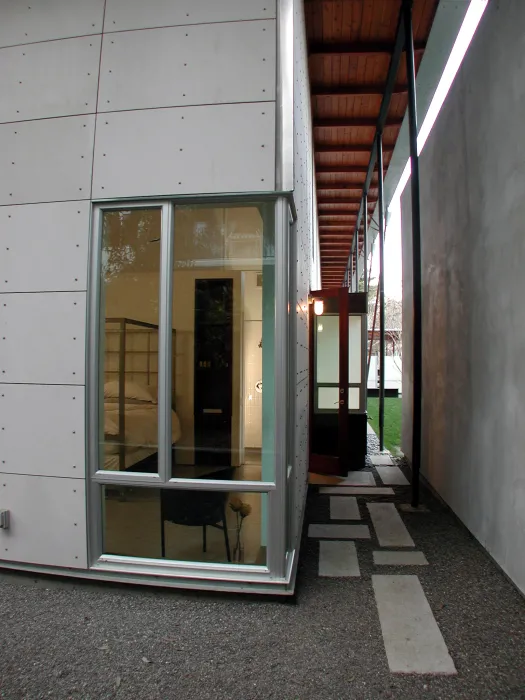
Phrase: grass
(392, 421)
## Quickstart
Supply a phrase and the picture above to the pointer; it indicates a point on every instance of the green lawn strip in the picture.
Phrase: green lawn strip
(392, 421)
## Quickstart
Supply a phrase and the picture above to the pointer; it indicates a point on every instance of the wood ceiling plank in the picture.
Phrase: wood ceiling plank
(355, 48)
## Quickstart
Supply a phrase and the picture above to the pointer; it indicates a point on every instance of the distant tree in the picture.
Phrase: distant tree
(393, 323)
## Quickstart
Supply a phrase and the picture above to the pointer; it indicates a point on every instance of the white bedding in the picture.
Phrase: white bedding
(140, 432)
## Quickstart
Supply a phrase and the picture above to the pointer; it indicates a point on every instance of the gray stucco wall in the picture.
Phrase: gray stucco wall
(473, 250)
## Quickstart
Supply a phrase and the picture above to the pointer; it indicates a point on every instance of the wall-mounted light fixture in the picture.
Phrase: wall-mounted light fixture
(318, 307)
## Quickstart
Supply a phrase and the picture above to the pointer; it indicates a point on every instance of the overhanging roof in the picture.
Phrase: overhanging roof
(350, 44)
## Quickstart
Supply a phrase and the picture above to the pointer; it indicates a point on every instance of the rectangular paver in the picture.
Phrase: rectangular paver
(344, 508)
(338, 559)
(383, 459)
(390, 529)
(385, 558)
(356, 491)
(334, 531)
(412, 638)
(392, 476)
(360, 478)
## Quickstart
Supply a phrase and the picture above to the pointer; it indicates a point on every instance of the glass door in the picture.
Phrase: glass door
(338, 332)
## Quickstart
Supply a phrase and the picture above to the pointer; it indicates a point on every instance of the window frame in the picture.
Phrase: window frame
(97, 478)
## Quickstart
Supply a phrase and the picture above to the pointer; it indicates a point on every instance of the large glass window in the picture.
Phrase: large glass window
(185, 386)
(129, 347)
(223, 322)
(201, 526)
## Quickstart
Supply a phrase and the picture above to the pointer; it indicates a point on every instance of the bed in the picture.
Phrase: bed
(130, 396)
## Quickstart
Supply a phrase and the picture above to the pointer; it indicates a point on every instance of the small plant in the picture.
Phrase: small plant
(242, 510)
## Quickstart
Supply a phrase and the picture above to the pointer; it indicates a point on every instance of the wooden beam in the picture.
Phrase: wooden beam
(354, 148)
(340, 186)
(357, 48)
(354, 122)
(341, 212)
(339, 200)
(320, 90)
(336, 169)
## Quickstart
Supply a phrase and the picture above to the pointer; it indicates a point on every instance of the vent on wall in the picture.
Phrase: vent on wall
(259, 279)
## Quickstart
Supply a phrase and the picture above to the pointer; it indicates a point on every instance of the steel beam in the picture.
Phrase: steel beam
(381, 300)
(365, 242)
(416, 253)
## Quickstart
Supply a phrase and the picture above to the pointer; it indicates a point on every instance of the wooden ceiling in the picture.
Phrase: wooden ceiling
(349, 47)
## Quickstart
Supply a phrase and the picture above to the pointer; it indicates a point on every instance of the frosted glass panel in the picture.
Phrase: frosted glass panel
(353, 398)
(328, 398)
(327, 349)
(354, 350)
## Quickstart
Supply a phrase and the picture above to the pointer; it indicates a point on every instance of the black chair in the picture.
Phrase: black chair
(196, 509)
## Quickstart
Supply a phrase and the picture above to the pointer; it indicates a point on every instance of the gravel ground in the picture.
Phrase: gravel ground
(74, 640)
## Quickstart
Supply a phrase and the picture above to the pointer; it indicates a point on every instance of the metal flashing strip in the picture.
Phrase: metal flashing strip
(257, 583)
(284, 150)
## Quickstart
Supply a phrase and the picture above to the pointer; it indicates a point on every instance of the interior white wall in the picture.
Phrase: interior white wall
(472, 214)
(57, 153)
(252, 360)
(125, 297)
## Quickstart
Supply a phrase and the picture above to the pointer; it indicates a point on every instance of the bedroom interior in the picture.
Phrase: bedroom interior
(222, 304)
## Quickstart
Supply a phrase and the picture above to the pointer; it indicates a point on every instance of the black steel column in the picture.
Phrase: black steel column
(379, 139)
(356, 255)
(416, 252)
(365, 243)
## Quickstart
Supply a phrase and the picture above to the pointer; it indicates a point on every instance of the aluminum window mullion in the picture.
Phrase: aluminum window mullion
(364, 353)
(165, 343)
(93, 499)
(276, 556)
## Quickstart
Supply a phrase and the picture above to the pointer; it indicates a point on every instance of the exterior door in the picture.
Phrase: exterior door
(338, 415)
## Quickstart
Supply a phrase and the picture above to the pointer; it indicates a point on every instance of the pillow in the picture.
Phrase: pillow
(110, 427)
(132, 391)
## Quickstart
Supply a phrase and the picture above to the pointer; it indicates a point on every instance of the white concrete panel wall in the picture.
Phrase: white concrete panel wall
(123, 14)
(44, 247)
(472, 181)
(49, 78)
(198, 65)
(46, 160)
(305, 247)
(54, 19)
(42, 430)
(217, 148)
(47, 523)
(192, 105)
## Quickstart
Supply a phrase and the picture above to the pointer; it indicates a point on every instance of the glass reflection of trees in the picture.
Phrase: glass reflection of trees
(130, 242)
